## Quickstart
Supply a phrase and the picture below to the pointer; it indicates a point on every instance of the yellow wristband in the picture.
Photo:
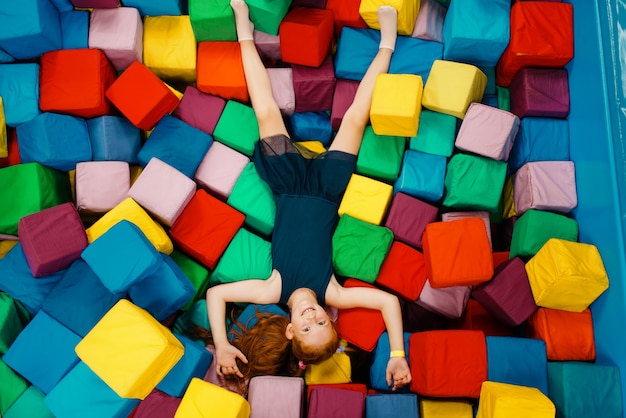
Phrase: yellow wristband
(397, 353)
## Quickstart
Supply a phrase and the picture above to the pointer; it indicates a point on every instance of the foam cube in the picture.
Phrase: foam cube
(252, 196)
(244, 246)
(366, 199)
(359, 248)
(429, 22)
(43, 365)
(403, 271)
(13, 387)
(169, 47)
(345, 14)
(30, 403)
(542, 92)
(267, 16)
(487, 131)
(238, 127)
(342, 99)
(101, 185)
(4, 146)
(18, 282)
(327, 401)
(542, 35)
(206, 217)
(158, 7)
(204, 399)
(452, 86)
(195, 315)
(453, 363)
(248, 317)
(13, 318)
(388, 114)
(357, 387)
(177, 144)
(313, 86)
(306, 36)
(407, 14)
(567, 335)
(360, 326)
(546, 185)
(408, 217)
(276, 396)
(436, 133)
(540, 139)
(157, 404)
(81, 392)
(212, 21)
(535, 227)
(474, 182)
(281, 80)
(28, 188)
(99, 4)
(202, 111)
(311, 126)
(477, 318)
(433, 408)
(388, 405)
(422, 176)
(449, 302)
(113, 138)
(507, 296)
(212, 377)
(130, 350)
(197, 274)
(19, 89)
(54, 140)
(506, 400)
(470, 262)
(30, 29)
(476, 41)
(518, 361)
(220, 168)
(268, 46)
(52, 238)
(75, 29)
(119, 34)
(220, 70)
(380, 358)
(141, 96)
(581, 389)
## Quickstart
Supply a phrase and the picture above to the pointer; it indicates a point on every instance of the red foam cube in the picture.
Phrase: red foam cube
(403, 271)
(306, 36)
(220, 70)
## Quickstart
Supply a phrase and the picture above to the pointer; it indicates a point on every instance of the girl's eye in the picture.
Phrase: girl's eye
(306, 329)
(321, 323)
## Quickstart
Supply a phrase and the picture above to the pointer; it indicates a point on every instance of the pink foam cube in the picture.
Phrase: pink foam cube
(220, 168)
(276, 396)
(101, 185)
(429, 23)
(449, 302)
(281, 80)
(118, 33)
(545, 185)
(267, 45)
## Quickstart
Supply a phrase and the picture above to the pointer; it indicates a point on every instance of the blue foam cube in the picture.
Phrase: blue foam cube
(29, 28)
(75, 28)
(114, 138)
(43, 352)
(63, 5)
(19, 89)
(54, 140)
(415, 56)
(539, 139)
(422, 175)
(311, 126)
(518, 361)
(248, 317)
(17, 280)
(391, 406)
(5, 57)
(158, 7)
(194, 363)
(380, 358)
(81, 393)
(476, 32)
(176, 143)
(29, 404)
(79, 300)
(122, 256)
(164, 291)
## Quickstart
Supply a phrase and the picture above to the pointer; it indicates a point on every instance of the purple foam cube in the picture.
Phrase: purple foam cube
(314, 86)
(540, 92)
(157, 405)
(329, 402)
(267, 45)
(281, 80)
(408, 218)
(445, 301)
(200, 110)
(96, 4)
(52, 238)
(345, 90)
(507, 296)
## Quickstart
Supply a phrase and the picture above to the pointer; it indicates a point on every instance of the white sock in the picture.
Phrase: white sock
(245, 27)
(388, 20)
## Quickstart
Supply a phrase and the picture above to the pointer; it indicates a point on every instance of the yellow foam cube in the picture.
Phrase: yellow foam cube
(452, 86)
(206, 400)
(130, 210)
(336, 369)
(502, 400)
(396, 104)
(130, 350)
(366, 199)
(6, 246)
(177, 93)
(407, 13)
(169, 47)
(4, 143)
(566, 275)
(316, 147)
(508, 198)
(433, 408)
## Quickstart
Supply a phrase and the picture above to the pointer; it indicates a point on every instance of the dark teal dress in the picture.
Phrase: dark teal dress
(308, 188)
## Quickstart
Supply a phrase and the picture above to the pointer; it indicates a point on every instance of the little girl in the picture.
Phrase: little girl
(308, 189)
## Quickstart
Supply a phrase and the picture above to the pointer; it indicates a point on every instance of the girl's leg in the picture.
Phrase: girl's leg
(356, 118)
(267, 112)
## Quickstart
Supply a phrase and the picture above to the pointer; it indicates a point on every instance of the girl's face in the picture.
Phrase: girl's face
(310, 324)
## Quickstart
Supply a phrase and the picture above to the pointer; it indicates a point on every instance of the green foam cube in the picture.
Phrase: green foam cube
(197, 274)
(238, 127)
(380, 156)
(535, 227)
(435, 135)
(212, 20)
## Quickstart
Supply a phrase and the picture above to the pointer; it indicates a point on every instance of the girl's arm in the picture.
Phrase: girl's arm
(388, 304)
(251, 291)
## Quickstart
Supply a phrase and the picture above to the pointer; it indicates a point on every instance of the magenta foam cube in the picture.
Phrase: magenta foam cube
(314, 86)
(52, 238)
(540, 92)
(118, 32)
(545, 185)
(157, 405)
(429, 23)
(101, 185)
(200, 110)
(408, 218)
(329, 402)
(163, 191)
(342, 99)
(220, 168)
(96, 4)
(281, 80)
(507, 296)
(449, 302)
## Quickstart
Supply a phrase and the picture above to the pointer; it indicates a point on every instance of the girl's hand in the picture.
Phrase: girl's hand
(398, 372)
(226, 356)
